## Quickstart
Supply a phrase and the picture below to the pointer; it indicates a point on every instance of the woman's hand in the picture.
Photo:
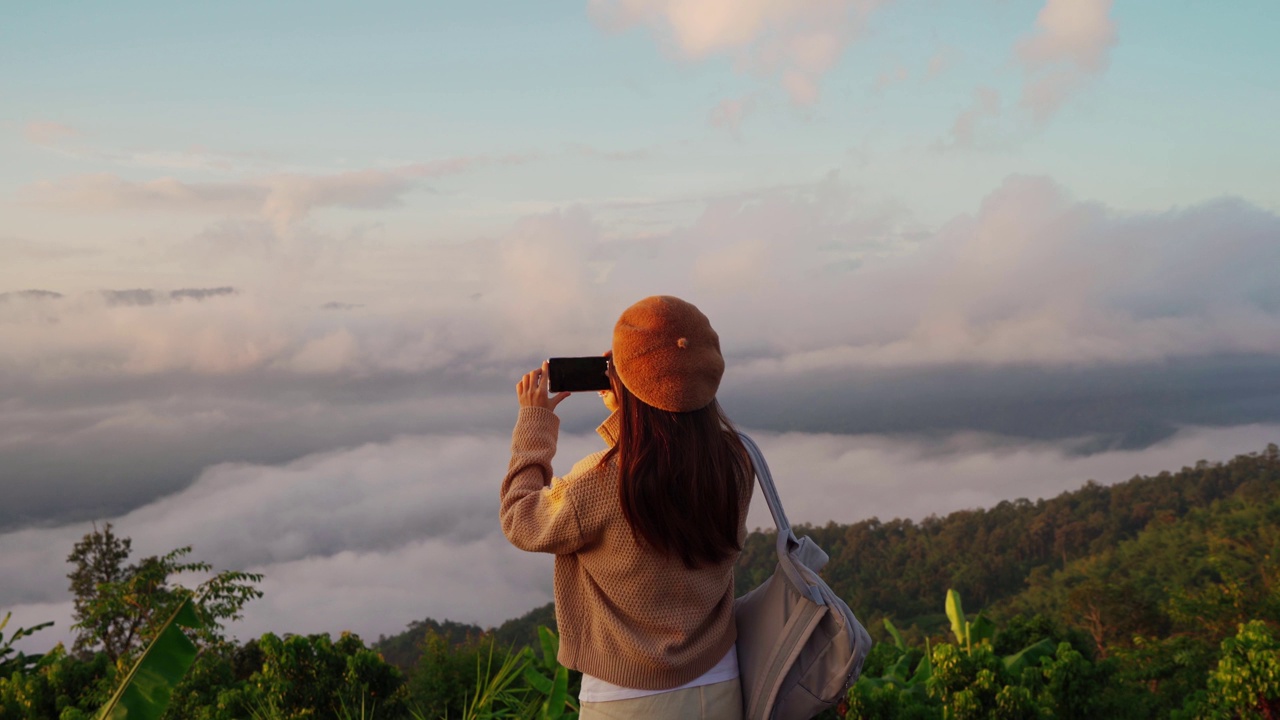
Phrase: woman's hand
(532, 390)
(608, 397)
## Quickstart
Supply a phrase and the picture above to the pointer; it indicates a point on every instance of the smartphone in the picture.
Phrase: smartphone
(578, 374)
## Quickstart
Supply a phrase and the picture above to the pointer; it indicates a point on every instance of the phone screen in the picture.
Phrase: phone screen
(578, 374)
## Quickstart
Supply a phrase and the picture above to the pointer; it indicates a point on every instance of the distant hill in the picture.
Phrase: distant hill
(900, 568)
(1014, 557)
(402, 649)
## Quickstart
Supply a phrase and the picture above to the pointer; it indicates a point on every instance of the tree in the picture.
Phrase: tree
(98, 560)
(118, 608)
(975, 678)
(61, 686)
(445, 674)
(317, 677)
(1246, 682)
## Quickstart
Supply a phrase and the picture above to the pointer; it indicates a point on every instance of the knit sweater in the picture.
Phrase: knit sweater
(626, 614)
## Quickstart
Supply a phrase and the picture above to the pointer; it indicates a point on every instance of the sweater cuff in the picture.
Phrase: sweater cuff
(535, 428)
(539, 415)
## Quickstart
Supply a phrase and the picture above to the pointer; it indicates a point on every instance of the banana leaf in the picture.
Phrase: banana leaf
(898, 673)
(550, 647)
(1028, 656)
(955, 612)
(144, 693)
(982, 628)
(924, 671)
(537, 680)
(20, 661)
(897, 636)
(918, 685)
(555, 705)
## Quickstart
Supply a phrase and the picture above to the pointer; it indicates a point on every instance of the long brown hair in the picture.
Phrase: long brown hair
(681, 478)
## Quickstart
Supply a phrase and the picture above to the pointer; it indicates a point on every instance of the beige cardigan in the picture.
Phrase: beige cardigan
(626, 615)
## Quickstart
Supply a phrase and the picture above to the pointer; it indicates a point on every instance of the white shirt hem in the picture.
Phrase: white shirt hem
(596, 690)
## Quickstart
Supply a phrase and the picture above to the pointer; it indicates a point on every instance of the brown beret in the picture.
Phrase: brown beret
(666, 354)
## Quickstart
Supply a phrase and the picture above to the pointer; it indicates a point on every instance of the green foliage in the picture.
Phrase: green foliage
(968, 679)
(1246, 682)
(959, 684)
(1076, 689)
(1021, 631)
(1203, 574)
(117, 608)
(443, 680)
(99, 563)
(1160, 604)
(13, 660)
(898, 642)
(548, 678)
(496, 692)
(403, 649)
(967, 633)
(312, 676)
(974, 684)
(1128, 601)
(1170, 669)
(524, 684)
(143, 693)
(59, 686)
(900, 567)
(213, 675)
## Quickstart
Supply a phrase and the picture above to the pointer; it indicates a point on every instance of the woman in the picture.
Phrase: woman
(645, 532)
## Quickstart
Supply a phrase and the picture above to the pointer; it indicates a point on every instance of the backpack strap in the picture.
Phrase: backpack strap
(791, 550)
(766, 485)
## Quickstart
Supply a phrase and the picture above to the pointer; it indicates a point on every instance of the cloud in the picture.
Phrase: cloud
(48, 133)
(1071, 43)
(909, 478)
(1033, 276)
(941, 61)
(140, 331)
(360, 539)
(92, 448)
(129, 297)
(292, 197)
(729, 113)
(1025, 318)
(985, 107)
(423, 504)
(30, 295)
(896, 76)
(795, 42)
(144, 297)
(1129, 405)
(104, 192)
(282, 199)
(42, 252)
(201, 293)
(353, 456)
(53, 137)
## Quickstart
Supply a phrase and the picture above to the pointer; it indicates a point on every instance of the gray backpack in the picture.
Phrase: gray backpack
(799, 645)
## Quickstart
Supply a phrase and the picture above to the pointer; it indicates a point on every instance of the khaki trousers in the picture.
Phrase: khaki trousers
(718, 701)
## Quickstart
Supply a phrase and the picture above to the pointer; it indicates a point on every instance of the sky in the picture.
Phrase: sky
(269, 272)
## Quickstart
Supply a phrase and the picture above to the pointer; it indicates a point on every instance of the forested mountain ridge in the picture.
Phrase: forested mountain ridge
(899, 568)
(403, 649)
(1154, 597)
(1006, 558)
